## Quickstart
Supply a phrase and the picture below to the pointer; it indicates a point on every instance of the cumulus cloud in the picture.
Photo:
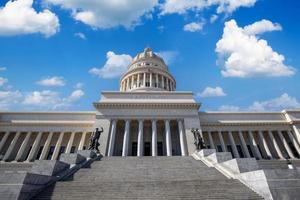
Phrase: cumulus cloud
(80, 35)
(212, 92)
(108, 14)
(9, 99)
(277, 104)
(283, 102)
(245, 55)
(2, 81)
(193, 27)
(75, 95)
(262, 27)
(52, 81)
(51, 100)
(115, 65)
(19, 17)
(223, 6)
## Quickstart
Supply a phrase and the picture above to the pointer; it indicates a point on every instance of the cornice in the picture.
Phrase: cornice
(245, 123)
(47, 123)
(100, 105)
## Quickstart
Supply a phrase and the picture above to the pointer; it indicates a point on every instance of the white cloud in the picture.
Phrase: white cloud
(194, 26)
(50, 100)
(115, 65)
(229, 108)
(19, 17)
(212, 92)
(75, 95)
(108, 14)
(168, 56)
(42, 98)
(277, 104)
(283, 102)
(262, 27)
(213, 18)
(52, 81)
(2, 81)
(182, 6)
(248, 56)
(9, 99)
(2, 68)
(223, 6)
(80, 35)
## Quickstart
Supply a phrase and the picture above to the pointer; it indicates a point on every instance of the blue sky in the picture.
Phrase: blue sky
(48, 47)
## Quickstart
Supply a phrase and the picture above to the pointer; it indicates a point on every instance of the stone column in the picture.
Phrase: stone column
(162, 82)
(286, 145)
(21, 152)
(222, 141)
(3, 140)
(156, 80)
(275, 145)
(234, 149)
(297, 134)
(132, 81)
(35, 147)
(151, 80)
(168, 84)
(294, 141)
(140, 138)
(112, 138)
(182, 138)
(127, 84)
(255, 147)
(154, 138)
(244, 146)
(57, 146)
(211, 141)
(46, 147)
(144, 80)
(265, 144)
(138, 80)
(126, 138)
(70, 143)
(168, 138)
(82, 141)
(11, 147)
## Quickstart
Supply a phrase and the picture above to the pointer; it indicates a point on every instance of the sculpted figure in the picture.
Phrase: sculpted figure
(94, 140)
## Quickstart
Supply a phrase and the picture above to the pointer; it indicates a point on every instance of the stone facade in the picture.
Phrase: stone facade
(148, 117)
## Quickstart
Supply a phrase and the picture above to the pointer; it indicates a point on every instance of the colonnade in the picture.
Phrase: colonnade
(146, 79)
(140, 139)
(286, 146)
(38, 149)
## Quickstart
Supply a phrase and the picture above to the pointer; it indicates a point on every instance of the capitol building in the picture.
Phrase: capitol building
(149, 117)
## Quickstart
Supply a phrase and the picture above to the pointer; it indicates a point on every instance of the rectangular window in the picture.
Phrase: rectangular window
(219, 148)
(61, 150)
(230, 150)
(240, 151)
(250, 150)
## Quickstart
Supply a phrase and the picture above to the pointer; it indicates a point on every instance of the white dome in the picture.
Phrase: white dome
(147, 71)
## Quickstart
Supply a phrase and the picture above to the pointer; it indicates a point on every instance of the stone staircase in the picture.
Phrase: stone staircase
(148, 178)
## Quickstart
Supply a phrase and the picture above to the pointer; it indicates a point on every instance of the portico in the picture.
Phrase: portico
(147, 137)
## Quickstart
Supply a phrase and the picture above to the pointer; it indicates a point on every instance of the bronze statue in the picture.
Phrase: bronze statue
(94, 140)
(198, 140)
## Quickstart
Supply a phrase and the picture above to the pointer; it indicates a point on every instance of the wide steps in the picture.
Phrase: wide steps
(148, 178)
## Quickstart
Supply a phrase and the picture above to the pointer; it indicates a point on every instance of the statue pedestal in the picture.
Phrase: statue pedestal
(87, 153)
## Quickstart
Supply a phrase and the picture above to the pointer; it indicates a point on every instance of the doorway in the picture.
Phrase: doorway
(147, 149)
(134, 149)
(160, 148)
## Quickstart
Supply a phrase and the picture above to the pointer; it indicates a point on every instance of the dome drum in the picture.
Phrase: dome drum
(147, 72)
